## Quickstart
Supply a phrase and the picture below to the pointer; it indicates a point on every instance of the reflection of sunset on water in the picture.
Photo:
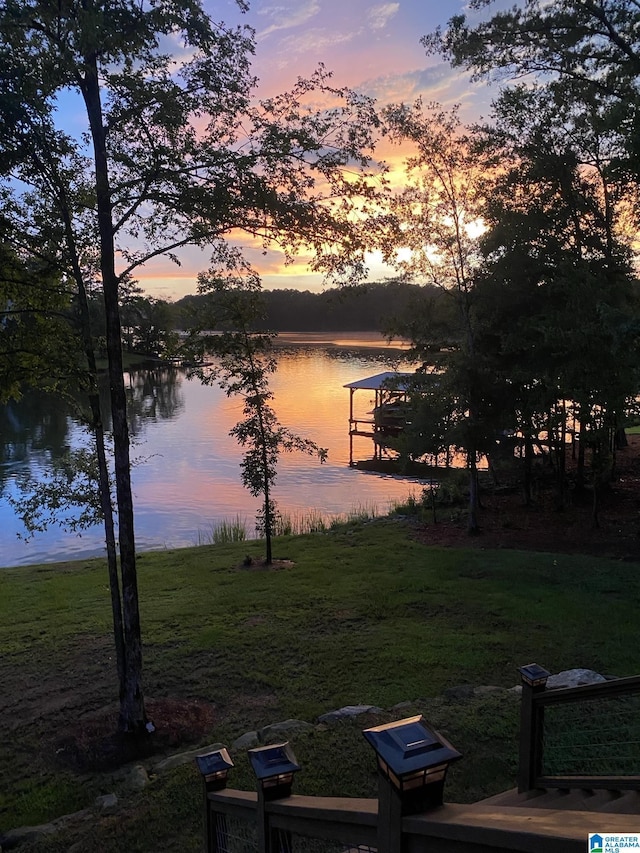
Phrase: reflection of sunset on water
(195, 490)
(311, 398)
(187, 474)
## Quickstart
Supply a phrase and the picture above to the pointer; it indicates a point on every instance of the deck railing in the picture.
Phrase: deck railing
(581, 737)
(240, 821)
(237, 823)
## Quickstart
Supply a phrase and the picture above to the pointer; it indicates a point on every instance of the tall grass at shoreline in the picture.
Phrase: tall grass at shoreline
(223, 532)
(295, 523)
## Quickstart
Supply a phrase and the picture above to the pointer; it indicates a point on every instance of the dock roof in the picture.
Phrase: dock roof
(389, 380)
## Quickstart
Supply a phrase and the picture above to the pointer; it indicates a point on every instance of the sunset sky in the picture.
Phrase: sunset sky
(371, 46)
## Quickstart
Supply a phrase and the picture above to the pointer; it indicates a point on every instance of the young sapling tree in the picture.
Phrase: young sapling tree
(244, 363)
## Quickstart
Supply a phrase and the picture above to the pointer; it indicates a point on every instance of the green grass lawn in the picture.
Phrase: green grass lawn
(363, 615)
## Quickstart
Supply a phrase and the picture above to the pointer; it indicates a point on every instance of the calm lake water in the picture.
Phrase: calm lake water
(187, 476)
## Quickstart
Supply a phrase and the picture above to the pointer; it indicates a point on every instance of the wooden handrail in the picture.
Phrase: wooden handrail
(449, 828)
(346, 820)
(614, 687)
(242, 804)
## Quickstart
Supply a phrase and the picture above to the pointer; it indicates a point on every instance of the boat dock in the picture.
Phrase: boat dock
(388, 416)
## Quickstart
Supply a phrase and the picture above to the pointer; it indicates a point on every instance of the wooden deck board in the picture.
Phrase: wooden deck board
(519, 828)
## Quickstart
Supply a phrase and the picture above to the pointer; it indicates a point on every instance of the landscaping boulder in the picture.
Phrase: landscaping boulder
(487, 690)
(107, 803)
(246, 741)
(138, 778)
(459, 692)
(283, 730)
(348, 711)
(15, 837)
(24, 834)
(402, 706)
(574, 678)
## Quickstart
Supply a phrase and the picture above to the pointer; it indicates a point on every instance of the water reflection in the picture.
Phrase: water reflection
(33, 430)
(187, 472)
(153, 394)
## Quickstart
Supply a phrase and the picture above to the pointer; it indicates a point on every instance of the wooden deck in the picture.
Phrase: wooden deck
(493, 826)
(545, 814)
(536, 822)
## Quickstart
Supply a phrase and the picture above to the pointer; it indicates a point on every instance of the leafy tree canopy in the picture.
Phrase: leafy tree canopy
(596, 44)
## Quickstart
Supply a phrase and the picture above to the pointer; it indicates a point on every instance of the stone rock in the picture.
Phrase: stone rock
(283, 729)
(517, 689)
(487, 690)
(348, 711)
(574, 678)
(138, 778)
(106, 803)
(181, 758)
(22, 834)
(461, 691)
(402, 706)
(246, 741)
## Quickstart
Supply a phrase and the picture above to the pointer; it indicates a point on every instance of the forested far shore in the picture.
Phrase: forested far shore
(380, 306)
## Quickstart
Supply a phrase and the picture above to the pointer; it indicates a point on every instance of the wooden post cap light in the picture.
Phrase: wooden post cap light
(534, 675)
(274, 767)
(214, 768)
(413, 756)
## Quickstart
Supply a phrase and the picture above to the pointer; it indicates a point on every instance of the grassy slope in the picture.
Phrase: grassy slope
(365, 615)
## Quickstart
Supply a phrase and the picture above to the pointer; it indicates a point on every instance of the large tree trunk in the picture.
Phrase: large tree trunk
(132, 714)
(557, 448)
(595, 506)
(97, 428)
(110, 541)
(268, 526)
(268, 507)
(620, 438)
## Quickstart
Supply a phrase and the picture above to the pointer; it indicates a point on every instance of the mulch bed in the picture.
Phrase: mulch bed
(94, 744)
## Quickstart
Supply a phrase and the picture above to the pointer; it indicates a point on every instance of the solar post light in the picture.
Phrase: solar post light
(534, 681)
(274, 767)
(413, 759)
(534, 675)
(214, 768)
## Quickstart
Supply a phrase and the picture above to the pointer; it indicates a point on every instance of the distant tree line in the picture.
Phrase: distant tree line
(360, 308)
(149, 324)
